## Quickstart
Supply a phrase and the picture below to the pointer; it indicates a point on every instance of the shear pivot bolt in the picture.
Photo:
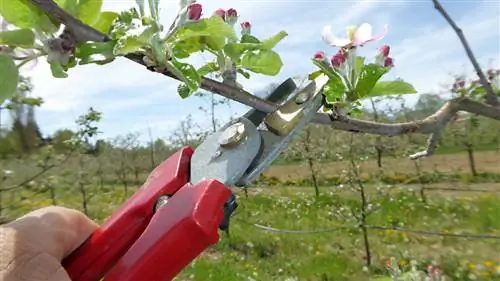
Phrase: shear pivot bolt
(301, 98)
(232, 135)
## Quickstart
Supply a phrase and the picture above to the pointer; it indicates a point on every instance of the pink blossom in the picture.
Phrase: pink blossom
(246, 27)
(232, 13)
(221, 13)
(388, 62)
(384, 50)
(458, 85)
(356, 36)
(319, 56)
(338, 59)
(231, 16)
(194, 11)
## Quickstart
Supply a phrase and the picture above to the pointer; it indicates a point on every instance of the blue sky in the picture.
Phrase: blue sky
(425, 50)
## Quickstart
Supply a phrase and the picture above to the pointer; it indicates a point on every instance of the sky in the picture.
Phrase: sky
(425, 49)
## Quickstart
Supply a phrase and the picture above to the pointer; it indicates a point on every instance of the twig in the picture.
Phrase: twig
(490, 96)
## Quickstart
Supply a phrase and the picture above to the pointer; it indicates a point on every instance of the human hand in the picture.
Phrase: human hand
(33, 246)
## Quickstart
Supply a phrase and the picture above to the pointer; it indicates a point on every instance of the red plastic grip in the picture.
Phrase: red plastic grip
(110, 242)
(177, 234)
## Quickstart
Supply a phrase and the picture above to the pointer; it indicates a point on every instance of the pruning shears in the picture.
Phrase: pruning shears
(177, 212)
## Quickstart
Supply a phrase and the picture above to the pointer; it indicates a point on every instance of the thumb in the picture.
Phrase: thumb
(33, 246)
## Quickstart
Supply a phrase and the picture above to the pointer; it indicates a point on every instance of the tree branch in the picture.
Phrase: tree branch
(433, 124)
(490, 96)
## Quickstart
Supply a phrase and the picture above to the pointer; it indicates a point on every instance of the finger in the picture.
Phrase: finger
(32, 247)
(57, 231)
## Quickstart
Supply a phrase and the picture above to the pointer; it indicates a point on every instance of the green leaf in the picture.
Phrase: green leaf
(188, 74)
(315, 74)
(235, 50)
(334, 90)
(397, 87)
(95, 52)
(207, 69)
(247, 38)
(243, 73)
(9, 77)
(273, 41)
(105, 21)
(88, 11)
(184, 91)
(368, 77)
(23, 14)
(327, 70)
(24, 38)
(212, 31)
(134, 41)
(265, 62)
(358, 67)
(57, 69)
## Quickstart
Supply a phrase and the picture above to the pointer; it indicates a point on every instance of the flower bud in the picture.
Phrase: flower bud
(458, 85)
(384, 50)
(338, 59)
(246, 28)
(231, 16)
(319, 56)
(388, 62)
(232, 13)
(221, 13)
(194, 11)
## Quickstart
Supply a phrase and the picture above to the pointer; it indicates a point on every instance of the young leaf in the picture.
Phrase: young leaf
(57, 69)
(368, 77)
(24, 14)
(9, 77)
(214, 29)
(134, 41)
(235, 50)
(105, 21)
(207, 69)
(273, 41)
(24, 38)
(247, 38)
(397, 87)
(358, 67)
(265, 62)
(315, 74)
(88, 11)
(334, 90)
(95, 52)
(243, 73)
(327, 70)
(187, 73)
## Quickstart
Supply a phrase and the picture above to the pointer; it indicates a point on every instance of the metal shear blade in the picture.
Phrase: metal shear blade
(238, 152)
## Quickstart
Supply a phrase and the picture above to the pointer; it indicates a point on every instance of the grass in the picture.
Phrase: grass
(251, 253)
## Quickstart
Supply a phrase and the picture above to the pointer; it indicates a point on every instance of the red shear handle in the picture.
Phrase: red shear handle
(177, 234)
(109, 243)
